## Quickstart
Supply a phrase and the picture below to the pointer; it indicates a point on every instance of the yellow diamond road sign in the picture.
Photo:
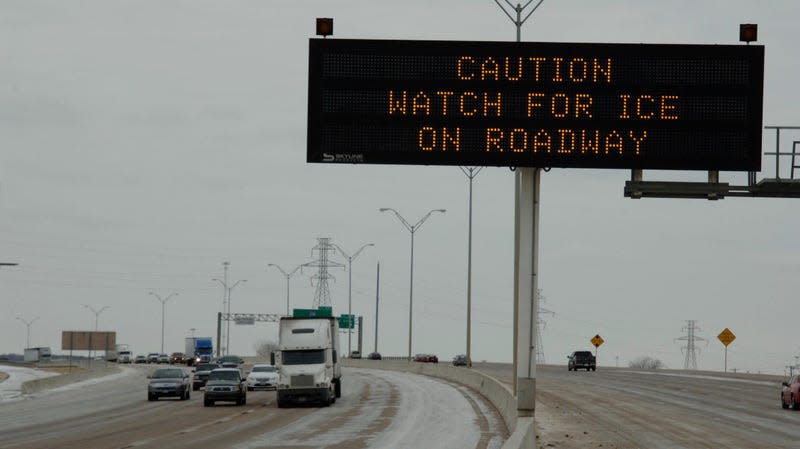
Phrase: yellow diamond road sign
(597, 340)
(726, 337)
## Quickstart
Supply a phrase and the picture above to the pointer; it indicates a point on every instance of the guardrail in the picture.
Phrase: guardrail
(521, 429)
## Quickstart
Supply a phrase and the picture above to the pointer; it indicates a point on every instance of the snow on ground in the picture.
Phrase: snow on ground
(11, 388)
(423, 413)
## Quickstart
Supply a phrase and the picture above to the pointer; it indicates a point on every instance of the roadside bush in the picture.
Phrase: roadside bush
(264, 348)
(646, 362)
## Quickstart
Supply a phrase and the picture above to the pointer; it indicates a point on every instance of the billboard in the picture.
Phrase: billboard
(88, 340)
(631, 106)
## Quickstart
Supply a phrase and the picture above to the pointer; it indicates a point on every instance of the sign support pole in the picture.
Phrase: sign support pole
(726, 359)
(528, 261)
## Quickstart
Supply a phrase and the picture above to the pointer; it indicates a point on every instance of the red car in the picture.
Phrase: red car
(426, 358)
(790, 393)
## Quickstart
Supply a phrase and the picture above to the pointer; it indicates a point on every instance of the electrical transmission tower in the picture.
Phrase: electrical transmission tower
(322, 296)
(540, 325)
(691, 349)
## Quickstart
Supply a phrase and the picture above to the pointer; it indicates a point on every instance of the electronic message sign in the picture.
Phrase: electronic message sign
(639, 106)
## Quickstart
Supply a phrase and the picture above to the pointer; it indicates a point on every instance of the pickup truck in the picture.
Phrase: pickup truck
(581, 359)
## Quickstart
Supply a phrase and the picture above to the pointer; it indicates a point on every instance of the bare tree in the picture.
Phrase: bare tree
(264, 348)
(646, 362)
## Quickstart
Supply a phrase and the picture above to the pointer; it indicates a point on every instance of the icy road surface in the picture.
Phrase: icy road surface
(378, 409)
(387, 410)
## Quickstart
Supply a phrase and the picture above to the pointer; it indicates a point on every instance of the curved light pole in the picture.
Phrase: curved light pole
(412, 229)
(163, 304)
(28, 324)
(288, 276)
(228, 321)
(350, 260)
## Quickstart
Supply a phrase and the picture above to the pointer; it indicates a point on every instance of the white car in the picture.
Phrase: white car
(262, 377)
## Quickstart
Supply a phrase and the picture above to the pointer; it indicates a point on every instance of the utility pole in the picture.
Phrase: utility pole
(350, 260)
(226, 299)
(471, 173)
(691, 349)
(28, 325)
(287, 276)
(163, 312)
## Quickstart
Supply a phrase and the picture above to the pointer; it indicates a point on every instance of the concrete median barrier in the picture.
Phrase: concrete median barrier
(47, 383)
(521, 429)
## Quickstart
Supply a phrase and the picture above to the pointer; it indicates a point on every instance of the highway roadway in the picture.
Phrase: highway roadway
(378, 409)
(625, 409)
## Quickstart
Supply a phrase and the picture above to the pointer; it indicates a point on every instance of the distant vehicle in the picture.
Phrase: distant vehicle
(262, 377)
(426, 358)
(230, 361)
(163, 358)
(460, 360)
(790, 393)
(177, 357)
(168, 382)
(112, 355)
(374, 356)
(41, 354)
(581, 359)
(355, 354)
(152, 357)
(308, 360)
(225, 384)
(201, 373)
(140, 359)
(198, 350)
(124, 356)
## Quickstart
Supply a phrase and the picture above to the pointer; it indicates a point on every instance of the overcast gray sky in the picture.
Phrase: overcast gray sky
(143, 143)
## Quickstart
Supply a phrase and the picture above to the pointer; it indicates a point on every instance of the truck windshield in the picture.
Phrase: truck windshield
(304, 357)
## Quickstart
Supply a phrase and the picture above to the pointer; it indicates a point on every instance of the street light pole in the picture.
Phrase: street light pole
(412, 229)
(96, 318)
(228, 295)
(471, 173)
(350, 260)
(28, 324)
(288, 276)
(163, 307)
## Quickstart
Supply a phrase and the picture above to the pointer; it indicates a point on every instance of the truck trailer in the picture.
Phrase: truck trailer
(308, 361)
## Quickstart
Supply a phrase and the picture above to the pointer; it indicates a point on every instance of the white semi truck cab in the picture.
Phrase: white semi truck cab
(308, 361)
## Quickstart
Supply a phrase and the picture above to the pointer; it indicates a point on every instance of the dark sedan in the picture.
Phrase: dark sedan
(201, 372)
(225, 384)
(168, 382)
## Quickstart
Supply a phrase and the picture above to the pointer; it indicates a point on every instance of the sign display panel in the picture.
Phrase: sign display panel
(644, 106)
(88, 340)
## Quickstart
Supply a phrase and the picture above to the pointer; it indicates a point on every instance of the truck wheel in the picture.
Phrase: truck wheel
(207, 403)
(281, 404)
(594, 368)
(150, 397)
(337, 388)
(195, 388)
